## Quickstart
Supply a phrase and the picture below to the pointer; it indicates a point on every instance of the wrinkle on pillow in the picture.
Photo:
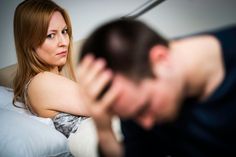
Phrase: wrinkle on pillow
(24, 137)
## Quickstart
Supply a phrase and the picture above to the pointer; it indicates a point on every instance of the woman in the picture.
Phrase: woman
(43, 40)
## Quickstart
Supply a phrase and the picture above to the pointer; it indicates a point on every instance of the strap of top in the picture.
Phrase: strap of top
(26, 97)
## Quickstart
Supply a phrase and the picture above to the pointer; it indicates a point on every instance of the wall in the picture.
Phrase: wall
(172, 18)
(7, 48)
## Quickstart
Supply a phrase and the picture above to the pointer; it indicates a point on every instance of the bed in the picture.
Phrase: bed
(25, 135)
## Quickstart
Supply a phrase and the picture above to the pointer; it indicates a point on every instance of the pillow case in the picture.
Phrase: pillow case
(6, 96)
(24, 136)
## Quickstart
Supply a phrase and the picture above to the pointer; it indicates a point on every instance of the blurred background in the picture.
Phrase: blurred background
(172, 18)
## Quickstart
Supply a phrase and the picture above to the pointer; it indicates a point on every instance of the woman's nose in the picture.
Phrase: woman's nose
(62, 40)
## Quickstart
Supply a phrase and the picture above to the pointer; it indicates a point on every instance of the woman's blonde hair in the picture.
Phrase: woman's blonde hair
(31, 21)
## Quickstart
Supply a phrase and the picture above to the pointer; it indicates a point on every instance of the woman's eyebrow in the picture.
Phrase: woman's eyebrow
(55, 30)
(52, 30)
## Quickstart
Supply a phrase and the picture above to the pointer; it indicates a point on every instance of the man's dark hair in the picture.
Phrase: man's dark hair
(125, 46)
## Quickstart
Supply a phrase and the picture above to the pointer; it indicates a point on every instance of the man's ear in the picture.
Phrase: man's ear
(157, 54)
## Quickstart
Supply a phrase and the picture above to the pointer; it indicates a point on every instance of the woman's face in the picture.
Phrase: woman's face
(54, 49)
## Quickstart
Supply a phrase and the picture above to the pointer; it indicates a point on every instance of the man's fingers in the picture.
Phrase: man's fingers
(102, 81)
(109, 97)
(89, 70)
(92, 73)
(84, 66)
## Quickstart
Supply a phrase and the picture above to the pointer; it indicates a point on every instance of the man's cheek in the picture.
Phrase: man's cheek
(123, 107)
(159, 108)
(126, 107)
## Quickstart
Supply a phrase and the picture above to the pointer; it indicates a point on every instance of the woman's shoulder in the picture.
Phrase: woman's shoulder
(47, 91)
(48, 80)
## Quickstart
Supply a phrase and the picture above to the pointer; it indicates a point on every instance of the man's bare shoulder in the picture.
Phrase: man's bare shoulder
(195, 40)
(200, 44)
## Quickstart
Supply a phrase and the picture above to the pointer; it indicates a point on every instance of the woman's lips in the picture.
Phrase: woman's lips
(63, 53)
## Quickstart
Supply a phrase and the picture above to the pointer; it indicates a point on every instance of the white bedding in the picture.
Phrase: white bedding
(82, 143)
(6, 96)
(25, 135)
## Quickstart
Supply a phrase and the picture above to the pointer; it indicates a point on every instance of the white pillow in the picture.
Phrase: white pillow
(83, 143)
(6, 96)
(25, 135)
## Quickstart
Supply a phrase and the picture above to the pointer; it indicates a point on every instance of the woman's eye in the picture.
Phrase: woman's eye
(65, 31)
(50, 36)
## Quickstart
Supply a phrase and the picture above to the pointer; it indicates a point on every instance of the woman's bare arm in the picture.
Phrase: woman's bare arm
(50, 93)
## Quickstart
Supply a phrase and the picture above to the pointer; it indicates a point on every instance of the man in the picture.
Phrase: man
(180, 92)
